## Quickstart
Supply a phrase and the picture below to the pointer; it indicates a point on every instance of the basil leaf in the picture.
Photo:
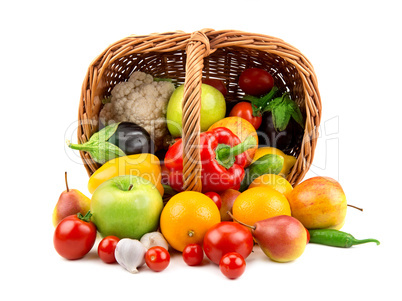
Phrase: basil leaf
(280, 117)
(294, 111)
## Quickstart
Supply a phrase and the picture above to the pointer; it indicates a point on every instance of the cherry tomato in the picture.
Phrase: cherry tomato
(226, 237)
(232, 265)
(217, 84)
(157, 258)
(244, 110)
(215, 197)
(193, 254)
(106, 249)
(74, 236)
(255, 81)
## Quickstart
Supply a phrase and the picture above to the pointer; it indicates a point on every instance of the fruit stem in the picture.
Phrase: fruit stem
(86, 217)
(65, 178)
(361, 209)
(241, 223)
(130, 187)
(363, 241)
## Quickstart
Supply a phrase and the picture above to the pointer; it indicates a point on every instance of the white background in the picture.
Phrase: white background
(355, 48)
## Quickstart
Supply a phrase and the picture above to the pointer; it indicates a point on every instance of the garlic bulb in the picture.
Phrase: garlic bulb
(130, 254)
(154, 239)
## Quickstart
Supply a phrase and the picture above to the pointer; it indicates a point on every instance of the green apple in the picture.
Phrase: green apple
(213, 108)
(126, 207)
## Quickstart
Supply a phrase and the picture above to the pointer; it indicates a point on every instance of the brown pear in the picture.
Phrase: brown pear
(282, 238)
(71, 201)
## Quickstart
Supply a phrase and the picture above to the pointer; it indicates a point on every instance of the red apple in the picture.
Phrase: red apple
(318, 203)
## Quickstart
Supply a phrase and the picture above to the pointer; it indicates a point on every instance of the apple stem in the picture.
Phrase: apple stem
(65, 177)
(241, 223)
(361, 209)
(130, 187)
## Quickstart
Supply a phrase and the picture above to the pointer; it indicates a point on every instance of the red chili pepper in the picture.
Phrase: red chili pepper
(223, 159)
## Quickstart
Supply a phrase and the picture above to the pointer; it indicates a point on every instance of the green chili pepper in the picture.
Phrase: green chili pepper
(336, 238)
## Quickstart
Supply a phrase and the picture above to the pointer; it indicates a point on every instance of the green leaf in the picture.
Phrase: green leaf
(260, 103)
(280, 117)
(294, 110)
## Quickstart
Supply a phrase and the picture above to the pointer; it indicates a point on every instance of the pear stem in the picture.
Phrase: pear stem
(65, 178)
(241, 223)
(361, 209)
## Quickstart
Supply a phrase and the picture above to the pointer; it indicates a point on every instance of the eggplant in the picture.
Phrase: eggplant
(117, 140)
(285, 140)
(132, 139)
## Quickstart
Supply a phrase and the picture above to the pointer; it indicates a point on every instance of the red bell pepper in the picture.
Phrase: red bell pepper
(223, 159)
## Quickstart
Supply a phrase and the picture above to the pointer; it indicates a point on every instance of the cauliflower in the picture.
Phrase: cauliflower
(143, 101)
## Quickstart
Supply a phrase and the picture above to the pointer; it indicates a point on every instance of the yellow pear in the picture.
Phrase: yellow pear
(71, 201)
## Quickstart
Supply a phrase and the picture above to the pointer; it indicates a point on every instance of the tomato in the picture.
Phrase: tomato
(226, 237)
(193, 254)
(232, 265)
(106, 249)
(217, 84)
(74, 236)
(244, 110)
(255, 81)
(157, 258)
(215, 197)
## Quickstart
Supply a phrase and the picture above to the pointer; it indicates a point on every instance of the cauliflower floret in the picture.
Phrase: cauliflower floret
(143, 101)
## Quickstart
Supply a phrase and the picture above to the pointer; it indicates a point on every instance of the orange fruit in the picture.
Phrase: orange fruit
(274, 181)
(259, 203)
(186, 218)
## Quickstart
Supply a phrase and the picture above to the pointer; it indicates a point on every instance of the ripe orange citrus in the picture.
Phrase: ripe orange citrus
(274, 181)
(186, 218)
(259, 203)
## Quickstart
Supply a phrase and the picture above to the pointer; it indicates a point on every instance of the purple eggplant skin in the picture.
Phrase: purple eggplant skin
(285, 140)
(132, 139)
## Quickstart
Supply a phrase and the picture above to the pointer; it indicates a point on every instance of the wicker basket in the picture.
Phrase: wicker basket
(189, 57)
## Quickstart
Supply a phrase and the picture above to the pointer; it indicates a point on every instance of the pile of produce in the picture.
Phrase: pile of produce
(138, 204)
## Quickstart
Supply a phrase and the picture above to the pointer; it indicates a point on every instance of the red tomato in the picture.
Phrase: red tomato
(226, 237)
(244, 110)
(74, 236)
(255, 81)
(217, 84)
(215, 197)
(193, 254)
(157, 258)
(106, 249)
(232, 265)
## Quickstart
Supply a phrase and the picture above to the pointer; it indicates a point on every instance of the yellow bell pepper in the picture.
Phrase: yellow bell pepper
(288, 161)
(142, 165)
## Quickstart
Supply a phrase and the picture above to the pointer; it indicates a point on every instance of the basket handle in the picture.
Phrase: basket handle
(197, 48)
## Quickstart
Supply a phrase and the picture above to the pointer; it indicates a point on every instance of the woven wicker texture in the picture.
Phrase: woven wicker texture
(189, 57)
